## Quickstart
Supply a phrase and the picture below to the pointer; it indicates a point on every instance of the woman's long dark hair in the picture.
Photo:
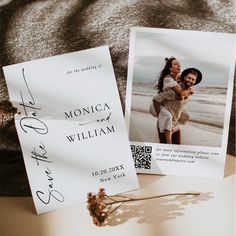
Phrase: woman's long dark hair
(166, 71)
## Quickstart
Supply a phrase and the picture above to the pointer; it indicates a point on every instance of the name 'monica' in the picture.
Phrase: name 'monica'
(86, 110)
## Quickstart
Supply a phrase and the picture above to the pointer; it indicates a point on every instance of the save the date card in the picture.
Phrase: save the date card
(71, 127)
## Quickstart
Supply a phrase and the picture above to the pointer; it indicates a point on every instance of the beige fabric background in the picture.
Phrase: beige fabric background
(31, 29)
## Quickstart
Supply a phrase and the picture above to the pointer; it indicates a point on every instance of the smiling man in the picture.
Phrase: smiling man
(175, 107)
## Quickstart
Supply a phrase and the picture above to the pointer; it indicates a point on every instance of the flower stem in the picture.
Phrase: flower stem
(152, 197)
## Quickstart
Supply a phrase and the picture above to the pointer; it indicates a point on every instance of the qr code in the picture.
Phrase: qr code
(141, 156)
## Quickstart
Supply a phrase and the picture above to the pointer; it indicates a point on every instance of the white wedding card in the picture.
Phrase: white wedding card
(71, 127)
(200, 144)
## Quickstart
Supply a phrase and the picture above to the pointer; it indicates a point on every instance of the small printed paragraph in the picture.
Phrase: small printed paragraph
(183, 156)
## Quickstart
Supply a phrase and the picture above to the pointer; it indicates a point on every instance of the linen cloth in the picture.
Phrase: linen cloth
(32, 29)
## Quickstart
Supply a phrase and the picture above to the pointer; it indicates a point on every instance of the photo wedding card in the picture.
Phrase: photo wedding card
(71, 127)
(187, 77)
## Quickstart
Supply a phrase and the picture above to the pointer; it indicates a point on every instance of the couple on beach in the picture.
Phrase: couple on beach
(173, 92)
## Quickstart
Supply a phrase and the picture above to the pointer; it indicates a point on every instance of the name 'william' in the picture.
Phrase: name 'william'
(90, 134)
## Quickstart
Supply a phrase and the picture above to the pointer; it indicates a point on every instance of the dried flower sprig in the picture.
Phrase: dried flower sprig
(7, 112)
(100, 205)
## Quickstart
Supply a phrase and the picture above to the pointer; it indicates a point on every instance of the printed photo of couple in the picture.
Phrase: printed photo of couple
(180, 87)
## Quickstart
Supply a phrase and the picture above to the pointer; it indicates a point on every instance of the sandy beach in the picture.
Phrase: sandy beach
(206, 108)
(143, 129)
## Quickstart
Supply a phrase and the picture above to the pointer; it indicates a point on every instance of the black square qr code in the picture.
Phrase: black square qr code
(141, 156)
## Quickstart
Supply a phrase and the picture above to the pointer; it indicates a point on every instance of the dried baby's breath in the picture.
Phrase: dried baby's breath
(101, 205)
(7, 112)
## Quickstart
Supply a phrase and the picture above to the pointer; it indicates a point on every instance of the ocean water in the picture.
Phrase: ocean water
(206, 106)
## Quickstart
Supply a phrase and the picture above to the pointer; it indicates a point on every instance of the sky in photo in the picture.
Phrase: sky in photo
(209, 53)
